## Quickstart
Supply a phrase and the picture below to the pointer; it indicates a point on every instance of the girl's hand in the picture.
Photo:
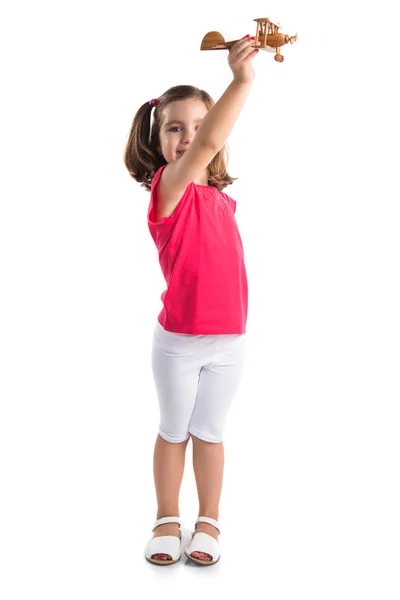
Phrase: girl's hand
(240, 59)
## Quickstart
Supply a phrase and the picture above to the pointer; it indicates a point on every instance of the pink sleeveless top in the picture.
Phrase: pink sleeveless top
(201, 256)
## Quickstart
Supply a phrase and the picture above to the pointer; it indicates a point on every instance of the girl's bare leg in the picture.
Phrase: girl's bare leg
(208, 465)
(168, 467)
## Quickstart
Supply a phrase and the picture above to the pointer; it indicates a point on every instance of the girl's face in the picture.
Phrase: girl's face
(180, 121)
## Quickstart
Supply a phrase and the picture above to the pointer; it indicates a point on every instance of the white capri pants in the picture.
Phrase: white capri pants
(197, 377)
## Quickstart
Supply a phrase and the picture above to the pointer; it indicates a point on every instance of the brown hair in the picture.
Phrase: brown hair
(141, 156)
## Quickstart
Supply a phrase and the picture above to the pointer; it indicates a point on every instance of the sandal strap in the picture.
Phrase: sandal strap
(203, 542)
(208, 520)
(165, 544)
(164, 520)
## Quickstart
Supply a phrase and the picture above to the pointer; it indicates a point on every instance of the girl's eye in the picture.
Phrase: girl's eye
(176, 127)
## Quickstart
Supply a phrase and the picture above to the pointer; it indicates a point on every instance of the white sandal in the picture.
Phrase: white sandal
(165, 544)
(203, 542)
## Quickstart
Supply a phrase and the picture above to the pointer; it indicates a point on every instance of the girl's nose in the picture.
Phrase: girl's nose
(188, 137)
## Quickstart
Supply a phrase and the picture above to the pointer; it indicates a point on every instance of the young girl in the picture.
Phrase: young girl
(176, 150)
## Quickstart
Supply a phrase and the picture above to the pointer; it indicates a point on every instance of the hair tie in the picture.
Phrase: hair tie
(153, 102)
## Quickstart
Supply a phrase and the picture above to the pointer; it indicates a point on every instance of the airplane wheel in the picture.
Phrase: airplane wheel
(279, 57)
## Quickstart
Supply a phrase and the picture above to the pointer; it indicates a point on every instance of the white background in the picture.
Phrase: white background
(309, 507)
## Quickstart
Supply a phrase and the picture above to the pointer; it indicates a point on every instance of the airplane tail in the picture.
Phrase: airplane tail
(213, 40)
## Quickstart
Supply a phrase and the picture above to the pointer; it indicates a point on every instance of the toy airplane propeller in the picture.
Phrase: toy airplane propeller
(267, 38)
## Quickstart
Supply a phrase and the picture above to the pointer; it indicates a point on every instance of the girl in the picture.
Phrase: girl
(198, 342)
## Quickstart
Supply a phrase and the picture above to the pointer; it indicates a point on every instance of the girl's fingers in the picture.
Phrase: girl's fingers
(241, 45)
(243, 52)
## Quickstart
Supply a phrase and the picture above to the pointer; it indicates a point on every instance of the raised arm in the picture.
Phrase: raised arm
(219, 121)
(212, 132)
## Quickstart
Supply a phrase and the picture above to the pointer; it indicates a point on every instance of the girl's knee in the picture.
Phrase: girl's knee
(204, 437)
(174, 438)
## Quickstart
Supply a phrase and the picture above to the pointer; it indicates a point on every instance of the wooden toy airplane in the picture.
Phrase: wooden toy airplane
(267, 38)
